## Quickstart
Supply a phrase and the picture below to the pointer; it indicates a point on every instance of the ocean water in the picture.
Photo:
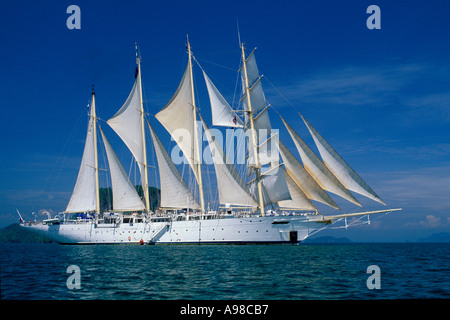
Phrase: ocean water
(228, 272)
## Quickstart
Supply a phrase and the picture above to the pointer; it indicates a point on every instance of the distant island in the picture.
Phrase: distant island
(436, 237)
(14, 233)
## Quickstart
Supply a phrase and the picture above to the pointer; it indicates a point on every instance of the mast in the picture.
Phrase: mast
(253, 133)
(97, 187)
(144, 149)
(197, 148)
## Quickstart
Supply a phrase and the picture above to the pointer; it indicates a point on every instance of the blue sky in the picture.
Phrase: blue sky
(380, 97)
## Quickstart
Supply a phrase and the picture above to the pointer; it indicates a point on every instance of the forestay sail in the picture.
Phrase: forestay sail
(83, 198)
(346, 175)
(323, 176)
(174, 191)
(125, 197)
(303, 179)
(299, 200)
(222, 113)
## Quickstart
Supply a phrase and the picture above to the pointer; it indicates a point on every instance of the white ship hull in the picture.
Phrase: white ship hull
(276, 229)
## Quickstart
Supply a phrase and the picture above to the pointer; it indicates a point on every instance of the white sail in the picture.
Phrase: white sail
(263, 132)
(324, 177)
(232, 189)
(174, 191)
(274, 186)
(303, 179)
(83, 198)
(273, 183)
(125, 197)
(299, 200)
(177, 117)
(257, 97)
(127, 124)
(222, 113)
(261, 120)
(346, 175)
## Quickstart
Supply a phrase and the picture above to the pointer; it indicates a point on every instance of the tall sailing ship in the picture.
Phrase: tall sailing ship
(273, 205)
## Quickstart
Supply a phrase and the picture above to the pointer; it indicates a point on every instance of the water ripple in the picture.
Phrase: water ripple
(408, 271)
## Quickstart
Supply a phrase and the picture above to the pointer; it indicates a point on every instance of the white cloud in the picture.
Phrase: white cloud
(430, 222)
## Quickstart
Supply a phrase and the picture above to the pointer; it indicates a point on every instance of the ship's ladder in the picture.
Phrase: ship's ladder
(158, 232)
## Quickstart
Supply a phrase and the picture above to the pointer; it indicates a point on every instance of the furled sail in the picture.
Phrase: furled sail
(346, 175)
(303, 179)
(174, 191)
(222, 113)
(178, 119)
(83, 198)
(125, 197)
(299, 200)
(324, 177)
(232, 189)
(127, 124)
